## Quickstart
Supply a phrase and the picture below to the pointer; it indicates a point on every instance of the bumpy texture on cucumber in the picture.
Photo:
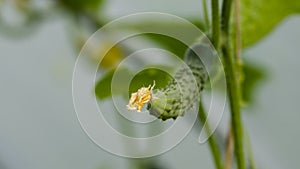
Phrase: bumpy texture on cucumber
(183, 91)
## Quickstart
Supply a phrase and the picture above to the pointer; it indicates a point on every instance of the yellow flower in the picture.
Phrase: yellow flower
(139, 98)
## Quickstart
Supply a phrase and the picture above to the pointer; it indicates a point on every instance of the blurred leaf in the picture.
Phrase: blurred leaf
(171, 44)
(260, 17)
(103, 86)
(143, 78)
(147, 76)
(107, 54)
(252, 76)
(146, 163)
(174, 45)
(78, 5)
(112, 57)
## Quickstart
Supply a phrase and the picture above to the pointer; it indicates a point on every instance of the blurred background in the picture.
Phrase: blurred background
(39, 43)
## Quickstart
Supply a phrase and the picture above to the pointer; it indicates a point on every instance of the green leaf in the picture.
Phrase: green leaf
(258, 17)
(145, 78)
(252, 76)
(103, 86)
(171, 44)
(78, 5)
(174, 45)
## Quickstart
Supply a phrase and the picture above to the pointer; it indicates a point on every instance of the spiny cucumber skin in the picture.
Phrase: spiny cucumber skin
(180, 94)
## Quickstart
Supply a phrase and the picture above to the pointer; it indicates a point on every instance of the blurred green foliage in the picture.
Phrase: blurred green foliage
(172, 45)
(144, 78)
(252, 76)
(147, 77)
(78, 5)
(258, 17)
(103, 86)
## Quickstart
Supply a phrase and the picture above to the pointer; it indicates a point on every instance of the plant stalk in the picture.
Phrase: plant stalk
(238, 38)
(234, 102)
(232, 86)
(229, 151)
(205, 14)
(215, 23)
(211, 141)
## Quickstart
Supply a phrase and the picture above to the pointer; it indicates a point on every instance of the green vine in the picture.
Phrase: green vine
(215, 23)
(211, 141)
(205, 13)
(232, 85)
